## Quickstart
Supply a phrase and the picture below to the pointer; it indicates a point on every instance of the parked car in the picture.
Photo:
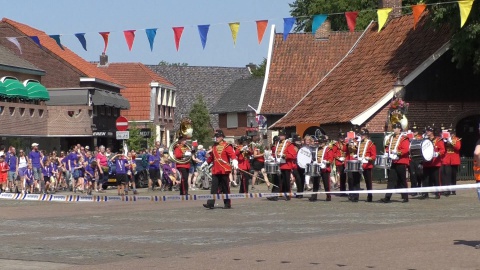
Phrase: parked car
(140, 175)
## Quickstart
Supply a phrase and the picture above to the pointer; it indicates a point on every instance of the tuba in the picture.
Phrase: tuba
(186, 130)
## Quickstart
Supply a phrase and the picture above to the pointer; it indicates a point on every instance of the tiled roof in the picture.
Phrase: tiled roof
(240, 94)
(369, 72)
(66, 55)
(7, 58)
(190, 81)
(137, 78)
(298, 64)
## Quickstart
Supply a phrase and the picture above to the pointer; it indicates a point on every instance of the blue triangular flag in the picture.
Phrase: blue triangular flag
(81, 38)
(317, 22)
(57, 39)
(36, 40)
(287, 26)
(151, 33)
(203, 31)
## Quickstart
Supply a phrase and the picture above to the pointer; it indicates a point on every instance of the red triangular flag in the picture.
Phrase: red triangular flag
(417, 11)
(261, 26)
(129, 37)
(177, 31)
(105, 39)
(351, 19)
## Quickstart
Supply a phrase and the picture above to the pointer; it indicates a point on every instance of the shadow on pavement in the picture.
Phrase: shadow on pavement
(467, 243)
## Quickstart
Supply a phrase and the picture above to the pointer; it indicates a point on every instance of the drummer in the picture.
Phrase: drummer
(275, 177)
(363, 149)
(415, 166)
(325, 157)
(431, 169)
(339, 154)
(397, 149)
(451, 160)
(298, 172)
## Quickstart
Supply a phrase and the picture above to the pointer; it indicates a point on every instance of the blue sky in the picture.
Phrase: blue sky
(67, 17)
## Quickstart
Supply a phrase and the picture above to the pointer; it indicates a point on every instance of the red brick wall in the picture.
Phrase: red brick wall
(233, 132)
(18, 124)
(59, 74)
(60, 123)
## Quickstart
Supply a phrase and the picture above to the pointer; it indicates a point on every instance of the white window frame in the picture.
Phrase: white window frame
(232, 120)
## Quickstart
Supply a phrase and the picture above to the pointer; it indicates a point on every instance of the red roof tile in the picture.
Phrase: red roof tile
(67, 55)
(137, 78)
(298, 64)
(369, 72)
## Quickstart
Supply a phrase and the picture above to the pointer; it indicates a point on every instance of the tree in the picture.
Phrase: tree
(200, 121)
(135, 142)
(165, 63)
(259, 70)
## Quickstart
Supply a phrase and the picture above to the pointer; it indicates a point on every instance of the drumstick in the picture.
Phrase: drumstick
(257, 177)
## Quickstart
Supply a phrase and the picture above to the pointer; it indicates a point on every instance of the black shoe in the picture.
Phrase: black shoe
(384, 200)
(354, 199)
(424, 197)
(312, 199)
(405, 200)
(437, 196)
(208, 206)
(369, 199)
(299, 196)
(414, 194)
(454, 193)
(227, 207)
(446, 193)
(272, 199)
(287, 198)
(328, 199)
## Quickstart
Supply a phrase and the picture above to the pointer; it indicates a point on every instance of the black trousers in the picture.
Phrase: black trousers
(397, 178)
(416, 173)
(449, 174)
(183, 181)
(285, 181)
(325, 177)
(244, 180)
(299, 175)
(343, 177)
(354, 182)
(431, 178)
(276, 182)
(220, 184)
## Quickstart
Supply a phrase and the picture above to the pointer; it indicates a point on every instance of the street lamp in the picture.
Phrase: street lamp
(398, 88)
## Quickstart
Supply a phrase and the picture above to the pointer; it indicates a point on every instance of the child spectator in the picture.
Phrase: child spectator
(28, 179)
(3, 173)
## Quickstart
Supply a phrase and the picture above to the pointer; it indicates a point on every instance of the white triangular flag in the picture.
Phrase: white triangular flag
(15, 41)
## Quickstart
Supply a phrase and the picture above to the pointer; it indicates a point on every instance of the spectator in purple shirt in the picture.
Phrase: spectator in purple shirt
(36, 161)
(121, 164)
(12, 161)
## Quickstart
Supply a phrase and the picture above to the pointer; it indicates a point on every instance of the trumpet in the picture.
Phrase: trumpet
(186, 130)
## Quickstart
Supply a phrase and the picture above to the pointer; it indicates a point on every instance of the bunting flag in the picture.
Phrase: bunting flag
(203, 31)
(151, 33)
(129, 37)
(317, 22)
(83, 41)
(261, 27)
(57, 39)
(36, 40)
(105, 39)
(287, 26)
(177, 32)
(417, 11)
(234, 28)
(351, 20)
(382, 17)
(15, 41)
(465, 8)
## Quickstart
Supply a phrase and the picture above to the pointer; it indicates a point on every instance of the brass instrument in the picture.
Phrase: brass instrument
(186, 131)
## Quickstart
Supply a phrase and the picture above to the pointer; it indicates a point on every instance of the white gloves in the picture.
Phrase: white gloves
(449, 139)
(188, 154)
(355, 156)
(341, 158)
(364, 160)
(245, 148)
(322, 165)
(394, 156)
(204, 164)
(359, 139)
(435, 154)
(394, 152)
(235, 164)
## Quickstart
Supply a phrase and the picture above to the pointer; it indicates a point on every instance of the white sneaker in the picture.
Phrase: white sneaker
(192, 188)
(7, 190)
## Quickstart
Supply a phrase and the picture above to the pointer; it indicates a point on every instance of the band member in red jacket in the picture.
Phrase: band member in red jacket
(338, 149)
(431, 169)
(325, 155)
(221, 156)
(182, 151)
(416, 167)
(286, 155)
(451, 160)
(243, 153)
(397, 149)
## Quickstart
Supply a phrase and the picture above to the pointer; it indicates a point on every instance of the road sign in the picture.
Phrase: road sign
(121, 123)
(123, 135)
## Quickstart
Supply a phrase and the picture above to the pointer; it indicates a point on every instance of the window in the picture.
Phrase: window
(159, 111)
(232, 120)
(109, 111)
(102, 110)
(32, 112)
(116, 112)
(2, 109)
(11, 110)
(95, 109)
(22, 111)
(40, 113)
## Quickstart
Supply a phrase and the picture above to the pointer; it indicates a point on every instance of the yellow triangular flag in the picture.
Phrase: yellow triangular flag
(382, 17)
(234, 28)
(465, 8)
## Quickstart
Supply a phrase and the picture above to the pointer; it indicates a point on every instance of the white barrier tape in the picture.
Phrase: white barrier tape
(203, 197)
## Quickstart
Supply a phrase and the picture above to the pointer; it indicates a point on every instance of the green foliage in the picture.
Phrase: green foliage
(136, 142)
(165, 63)
(259, 71)
(202, 131)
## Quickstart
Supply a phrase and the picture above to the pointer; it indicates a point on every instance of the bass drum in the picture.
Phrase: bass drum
(421, 150)
(304, 157)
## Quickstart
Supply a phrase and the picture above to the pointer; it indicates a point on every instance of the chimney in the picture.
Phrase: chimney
(323, 32)
(251, 67)
(103, 60)
(396, 5)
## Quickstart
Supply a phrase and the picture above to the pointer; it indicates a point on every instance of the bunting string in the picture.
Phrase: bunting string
(465, 7)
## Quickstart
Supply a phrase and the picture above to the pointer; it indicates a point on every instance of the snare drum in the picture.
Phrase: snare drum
(383, 162)
(354, 166)
(272, 168)
(313, 169)
(421, 150)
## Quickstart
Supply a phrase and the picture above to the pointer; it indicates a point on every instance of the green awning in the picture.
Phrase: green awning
(37, 91)
(14, 88)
